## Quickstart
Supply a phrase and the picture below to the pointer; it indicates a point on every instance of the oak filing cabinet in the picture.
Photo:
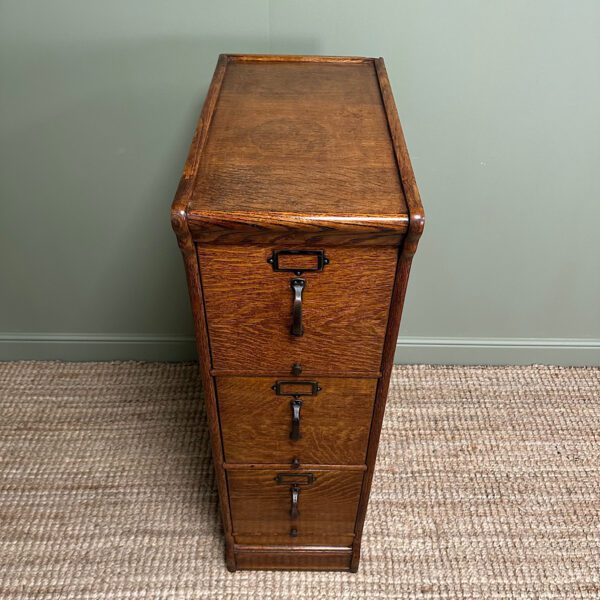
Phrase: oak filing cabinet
(298, 216)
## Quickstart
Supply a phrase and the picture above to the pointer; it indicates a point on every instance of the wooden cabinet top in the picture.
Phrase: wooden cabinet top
(302, 144)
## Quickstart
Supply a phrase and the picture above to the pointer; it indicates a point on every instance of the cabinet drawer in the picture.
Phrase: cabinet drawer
(265, 512)
(324, 420)
(249, 308)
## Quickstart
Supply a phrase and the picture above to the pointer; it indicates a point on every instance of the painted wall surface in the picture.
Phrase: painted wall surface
(500, 106)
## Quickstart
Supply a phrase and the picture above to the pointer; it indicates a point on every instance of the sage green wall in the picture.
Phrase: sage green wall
(499, 102)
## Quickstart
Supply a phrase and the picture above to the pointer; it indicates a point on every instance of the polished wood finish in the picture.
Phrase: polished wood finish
(260, 507)
(248, 307)
(407, 251)
(287, 466)
(305, 142)
(334, 424)
(188, 250)
(296, 152)
(249, 228)
(293, 558)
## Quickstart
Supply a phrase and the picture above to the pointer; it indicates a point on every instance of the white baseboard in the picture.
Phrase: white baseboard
(409, 350)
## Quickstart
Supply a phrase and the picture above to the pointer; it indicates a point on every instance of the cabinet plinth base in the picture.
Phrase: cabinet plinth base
(289, 558)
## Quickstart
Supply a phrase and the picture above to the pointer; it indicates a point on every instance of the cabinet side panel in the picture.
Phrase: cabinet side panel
(403, 271)
(184, 238)
(407, 251)
(210, 401)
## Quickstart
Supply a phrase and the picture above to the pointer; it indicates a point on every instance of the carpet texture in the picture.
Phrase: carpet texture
(487, 486)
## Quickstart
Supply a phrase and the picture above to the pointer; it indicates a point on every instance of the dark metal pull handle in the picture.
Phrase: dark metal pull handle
(298, 286)
(294, 512)
(296, 406)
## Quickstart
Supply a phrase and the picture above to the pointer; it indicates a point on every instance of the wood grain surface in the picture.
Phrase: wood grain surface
(249, 310)
(407, 251)
(190, 261)
(293, 558)
(334, 424)
(310, 138)
(296, 152)
(245, 227)
(260, 508)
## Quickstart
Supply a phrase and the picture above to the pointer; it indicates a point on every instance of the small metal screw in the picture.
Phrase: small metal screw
(296, 463)
(293, 532)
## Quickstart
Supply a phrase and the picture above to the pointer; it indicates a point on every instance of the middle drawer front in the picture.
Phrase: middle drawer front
(324, 420)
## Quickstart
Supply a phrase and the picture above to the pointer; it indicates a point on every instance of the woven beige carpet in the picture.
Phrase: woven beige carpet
(488, 486)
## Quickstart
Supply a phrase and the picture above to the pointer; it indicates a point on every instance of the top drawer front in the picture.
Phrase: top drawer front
(344, 306)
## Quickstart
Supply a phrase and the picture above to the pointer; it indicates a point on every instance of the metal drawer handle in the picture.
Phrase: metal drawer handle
(298, 286)
(296, 406)
(294, 512)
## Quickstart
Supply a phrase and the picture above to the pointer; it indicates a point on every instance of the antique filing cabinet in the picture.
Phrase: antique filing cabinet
(298, 216)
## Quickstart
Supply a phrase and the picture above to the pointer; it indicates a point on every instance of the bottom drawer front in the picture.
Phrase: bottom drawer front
(316, 507)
